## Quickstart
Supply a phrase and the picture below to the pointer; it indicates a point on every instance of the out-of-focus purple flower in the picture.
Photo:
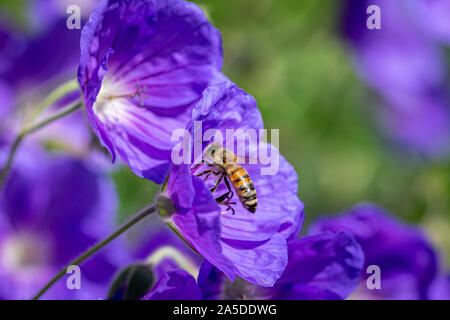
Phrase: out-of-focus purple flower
(143, 66)
(33, 56)
(39, 58)
(432, 17)
(406, 67)
(43, 13)
(51, 209)
(323, 266)
(425, 127)
(6, 102)
(37, 54)
(440, 288)
(173, 283)
(34, 63)
(251, 246)
(10, 46)
(407, 261)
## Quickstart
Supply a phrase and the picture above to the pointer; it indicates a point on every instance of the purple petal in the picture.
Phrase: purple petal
(440, 288)
(6, 104)
(407, 125)
(323, 265)
(405, 64)
(59, 207)
(433, 17)
(174, 284)
(225, 106)
(154, 58)
(200, 226)
(42, 58)
(258, 262)
(210, 281)
(254, 244)
(403, 253)
(395, 59)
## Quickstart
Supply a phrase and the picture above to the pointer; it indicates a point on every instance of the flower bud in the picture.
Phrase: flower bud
(165, 206)
(132, 282)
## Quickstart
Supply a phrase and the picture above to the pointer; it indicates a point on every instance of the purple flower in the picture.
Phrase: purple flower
(6, 102)
(243, 244)
(173, 283)
(407, 261)
(433, 18)
(43, 13)
(143, 66)
(323, 266)
(407, 68)
(39, 58)
(52, 209)
(33, 64)
(440, 288)
(10, 45)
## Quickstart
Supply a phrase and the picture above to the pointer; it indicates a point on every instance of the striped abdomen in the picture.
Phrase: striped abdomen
(244, 187)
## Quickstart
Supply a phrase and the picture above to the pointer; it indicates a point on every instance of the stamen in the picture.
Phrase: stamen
(138, 93)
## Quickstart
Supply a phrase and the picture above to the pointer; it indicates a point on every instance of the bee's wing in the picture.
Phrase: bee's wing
(248, 158)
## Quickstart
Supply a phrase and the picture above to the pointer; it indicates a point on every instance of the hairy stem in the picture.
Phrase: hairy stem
(27, 130)
(172, 227)
(53, 97)
(127, 225)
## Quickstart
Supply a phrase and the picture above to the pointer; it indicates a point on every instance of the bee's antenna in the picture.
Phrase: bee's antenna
(205, 144)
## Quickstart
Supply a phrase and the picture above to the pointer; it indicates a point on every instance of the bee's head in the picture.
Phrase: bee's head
(212, 152)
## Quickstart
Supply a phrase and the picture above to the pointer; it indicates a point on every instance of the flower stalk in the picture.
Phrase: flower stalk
(88, 253)
(30, 129)
(53, 97)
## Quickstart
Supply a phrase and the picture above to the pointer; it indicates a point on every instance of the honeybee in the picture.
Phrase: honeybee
(224, 164)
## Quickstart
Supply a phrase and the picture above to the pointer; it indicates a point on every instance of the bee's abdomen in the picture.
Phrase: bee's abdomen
(244, 187)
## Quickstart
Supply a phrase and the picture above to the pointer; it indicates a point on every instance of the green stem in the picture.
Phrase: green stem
(56, 116)
(135, 219)
(27, 130)
(172, 225)
(57, 94)
(175, 229)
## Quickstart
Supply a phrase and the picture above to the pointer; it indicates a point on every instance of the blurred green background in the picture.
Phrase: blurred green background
(288, 54)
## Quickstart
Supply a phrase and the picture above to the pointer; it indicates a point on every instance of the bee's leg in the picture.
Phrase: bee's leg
(228, 195)
(197, 165)
(218, 182)
(228, 204)
(232, 209)
(208, 173)
(225, 202)
(230, 192)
